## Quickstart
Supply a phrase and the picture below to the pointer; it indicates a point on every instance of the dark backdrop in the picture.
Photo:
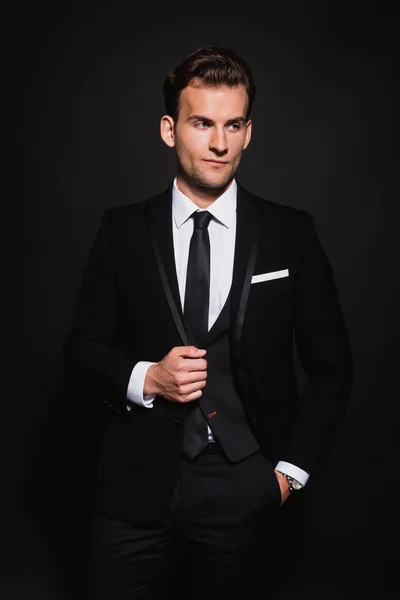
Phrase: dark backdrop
(83, 98)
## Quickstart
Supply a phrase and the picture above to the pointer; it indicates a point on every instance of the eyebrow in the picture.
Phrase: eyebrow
(228, 122)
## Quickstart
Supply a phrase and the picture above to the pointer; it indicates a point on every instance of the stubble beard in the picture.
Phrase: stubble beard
(198, 178)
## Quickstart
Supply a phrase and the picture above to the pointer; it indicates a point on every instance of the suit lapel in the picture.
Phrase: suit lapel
(159, 219)
(248, 231)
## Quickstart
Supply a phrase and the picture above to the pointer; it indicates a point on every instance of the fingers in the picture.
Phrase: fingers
(188, 377)
(181, 375)
(190, 385)
(191, 358)
(193, 364)
(190, 392)
(191, 352)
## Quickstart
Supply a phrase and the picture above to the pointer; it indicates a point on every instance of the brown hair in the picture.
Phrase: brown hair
(214, 67)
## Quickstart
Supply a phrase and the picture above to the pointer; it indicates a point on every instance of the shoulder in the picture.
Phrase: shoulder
(121, 213)
(281, 214)
(127, 215)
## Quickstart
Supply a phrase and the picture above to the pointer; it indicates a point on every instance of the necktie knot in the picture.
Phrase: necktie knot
(202, 219)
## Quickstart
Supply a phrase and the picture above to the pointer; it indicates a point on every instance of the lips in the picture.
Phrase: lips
(215, 162)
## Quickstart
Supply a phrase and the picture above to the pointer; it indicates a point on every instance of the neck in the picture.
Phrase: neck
(201, 196)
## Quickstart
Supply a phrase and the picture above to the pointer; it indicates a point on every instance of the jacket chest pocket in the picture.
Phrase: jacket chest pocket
(270, 300)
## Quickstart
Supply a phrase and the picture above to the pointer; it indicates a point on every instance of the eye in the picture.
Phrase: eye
(234, 126)
(202, 124)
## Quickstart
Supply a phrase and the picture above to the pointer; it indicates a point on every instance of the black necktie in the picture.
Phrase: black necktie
(197, 293)
(196, 308)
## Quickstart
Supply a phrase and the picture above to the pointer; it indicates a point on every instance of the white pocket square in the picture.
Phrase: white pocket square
(269, 276)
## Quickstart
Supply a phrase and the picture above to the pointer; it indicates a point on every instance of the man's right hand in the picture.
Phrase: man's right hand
(180, 376)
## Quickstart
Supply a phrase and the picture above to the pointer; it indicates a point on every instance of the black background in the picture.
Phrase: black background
(82, 101)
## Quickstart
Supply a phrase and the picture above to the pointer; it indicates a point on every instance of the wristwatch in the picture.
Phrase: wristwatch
(294, 485)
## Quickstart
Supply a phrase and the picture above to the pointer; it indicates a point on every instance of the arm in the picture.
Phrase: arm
(135, 393)
(93, 344)
(325, 355)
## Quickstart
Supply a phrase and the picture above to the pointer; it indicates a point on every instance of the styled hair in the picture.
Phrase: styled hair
(213, 67)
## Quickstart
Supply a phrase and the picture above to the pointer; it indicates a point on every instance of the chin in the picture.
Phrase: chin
(209, 182)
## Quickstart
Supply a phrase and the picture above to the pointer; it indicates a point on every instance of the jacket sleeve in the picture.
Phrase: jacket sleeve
(325, 355)
(93, 345)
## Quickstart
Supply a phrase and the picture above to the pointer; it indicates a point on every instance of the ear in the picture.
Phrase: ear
(249, 125)
(167, 130)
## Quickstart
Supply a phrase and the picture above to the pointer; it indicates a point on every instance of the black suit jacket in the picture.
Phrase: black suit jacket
(128, 309)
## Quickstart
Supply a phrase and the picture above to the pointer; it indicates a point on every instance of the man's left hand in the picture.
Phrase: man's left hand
(284, 485)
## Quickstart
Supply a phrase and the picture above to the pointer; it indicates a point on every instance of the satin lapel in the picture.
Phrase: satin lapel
(159, 219)
(248, 231)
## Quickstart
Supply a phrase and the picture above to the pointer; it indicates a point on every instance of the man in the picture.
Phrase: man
(184, 326)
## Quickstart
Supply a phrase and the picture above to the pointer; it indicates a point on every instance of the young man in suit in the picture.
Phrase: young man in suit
(184, 327)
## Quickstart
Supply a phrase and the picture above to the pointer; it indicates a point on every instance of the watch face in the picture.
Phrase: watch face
(296, 485)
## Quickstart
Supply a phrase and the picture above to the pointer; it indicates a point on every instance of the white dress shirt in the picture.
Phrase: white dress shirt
(222, 233)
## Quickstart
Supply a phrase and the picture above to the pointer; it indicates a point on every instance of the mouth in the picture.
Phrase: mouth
(219, 163)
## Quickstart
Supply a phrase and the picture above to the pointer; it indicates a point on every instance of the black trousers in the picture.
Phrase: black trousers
(217, 541)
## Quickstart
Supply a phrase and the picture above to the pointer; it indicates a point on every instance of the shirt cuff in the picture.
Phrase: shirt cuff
(136, 383)
(293, 471)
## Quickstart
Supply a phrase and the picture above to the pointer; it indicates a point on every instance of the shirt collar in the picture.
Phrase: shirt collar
(223, 209)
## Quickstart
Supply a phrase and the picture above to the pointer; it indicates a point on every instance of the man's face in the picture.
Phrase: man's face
(210, 134)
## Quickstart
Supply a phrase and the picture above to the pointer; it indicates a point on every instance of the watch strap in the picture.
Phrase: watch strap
(294, 485)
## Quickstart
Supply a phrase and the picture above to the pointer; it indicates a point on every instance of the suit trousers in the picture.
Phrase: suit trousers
(218, 539)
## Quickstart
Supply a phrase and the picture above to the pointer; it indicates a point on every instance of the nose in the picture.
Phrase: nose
(219, 142)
